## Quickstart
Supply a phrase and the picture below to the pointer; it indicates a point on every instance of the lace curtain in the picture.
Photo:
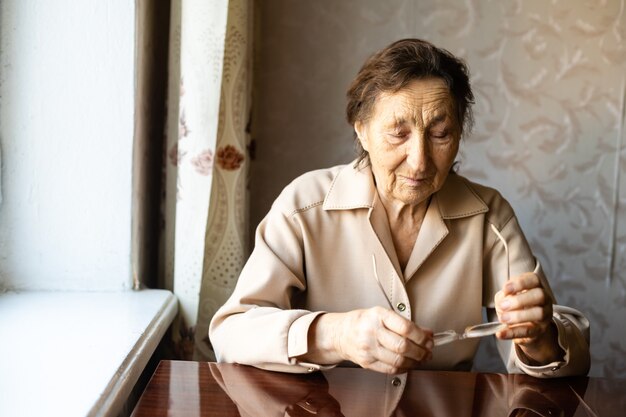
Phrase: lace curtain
(206, 162)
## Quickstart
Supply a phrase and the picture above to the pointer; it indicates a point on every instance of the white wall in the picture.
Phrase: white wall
(66, 134)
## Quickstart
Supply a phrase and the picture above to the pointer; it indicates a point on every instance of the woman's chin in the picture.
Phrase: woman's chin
(414, 196)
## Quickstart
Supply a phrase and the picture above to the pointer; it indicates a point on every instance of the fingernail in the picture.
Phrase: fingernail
(505, 304)
(429, 345)
(505, 317)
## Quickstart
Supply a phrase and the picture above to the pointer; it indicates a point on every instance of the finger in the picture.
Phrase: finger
(522, 282)
(529, 298)
(364, 348)
(377, 357)
(498, 299)
(534, 314)
(402, 347)
(522, 333)
(395, 363)
(406, 328)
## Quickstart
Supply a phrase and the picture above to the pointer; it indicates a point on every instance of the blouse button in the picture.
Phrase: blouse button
(396, 382)
(401, 307)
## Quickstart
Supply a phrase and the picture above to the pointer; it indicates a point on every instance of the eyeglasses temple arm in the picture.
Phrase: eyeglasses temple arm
(378, 281)
(506, 250)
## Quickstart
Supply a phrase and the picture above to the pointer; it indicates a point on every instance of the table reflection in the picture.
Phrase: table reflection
(180, 388)
(355, 392)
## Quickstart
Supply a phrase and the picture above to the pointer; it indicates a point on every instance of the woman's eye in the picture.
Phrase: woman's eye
(439, 134)
(399, 135)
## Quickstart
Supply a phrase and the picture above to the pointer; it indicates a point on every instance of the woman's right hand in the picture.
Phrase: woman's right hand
(375, 338)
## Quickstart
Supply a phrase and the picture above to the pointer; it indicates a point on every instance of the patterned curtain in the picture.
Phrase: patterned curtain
(205, 174)
(226, 232)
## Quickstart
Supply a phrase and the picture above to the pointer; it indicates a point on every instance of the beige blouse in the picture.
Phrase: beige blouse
(313, 254)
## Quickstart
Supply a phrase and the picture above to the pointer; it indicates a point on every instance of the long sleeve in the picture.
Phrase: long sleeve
(260, 325)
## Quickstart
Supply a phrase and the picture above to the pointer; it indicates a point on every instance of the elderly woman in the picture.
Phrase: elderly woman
(361, 263)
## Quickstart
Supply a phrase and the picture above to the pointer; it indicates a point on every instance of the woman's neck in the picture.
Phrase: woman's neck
(405, 222)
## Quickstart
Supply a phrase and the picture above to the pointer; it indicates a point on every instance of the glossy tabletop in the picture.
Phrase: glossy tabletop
(208, 389)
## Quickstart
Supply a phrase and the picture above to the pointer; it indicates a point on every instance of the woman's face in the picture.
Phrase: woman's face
(412, 138)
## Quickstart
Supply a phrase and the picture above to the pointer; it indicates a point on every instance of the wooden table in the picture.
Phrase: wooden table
(208, 389)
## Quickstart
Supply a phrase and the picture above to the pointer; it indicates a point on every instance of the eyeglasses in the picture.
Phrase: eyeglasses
(476, 330)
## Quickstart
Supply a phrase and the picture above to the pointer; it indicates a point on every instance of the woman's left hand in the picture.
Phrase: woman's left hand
(526, 307)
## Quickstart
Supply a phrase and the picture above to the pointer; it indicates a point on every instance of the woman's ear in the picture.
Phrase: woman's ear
(359, 128)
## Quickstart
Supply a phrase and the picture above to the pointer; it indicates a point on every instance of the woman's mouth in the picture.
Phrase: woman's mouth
(416, 181)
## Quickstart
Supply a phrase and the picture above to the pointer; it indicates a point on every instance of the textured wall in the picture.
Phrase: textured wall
(66, 133)
(550, 82)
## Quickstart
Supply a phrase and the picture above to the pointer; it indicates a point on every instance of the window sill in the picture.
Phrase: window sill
(77, 353)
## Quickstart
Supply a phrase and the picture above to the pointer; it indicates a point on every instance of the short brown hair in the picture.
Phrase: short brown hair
(395, 66)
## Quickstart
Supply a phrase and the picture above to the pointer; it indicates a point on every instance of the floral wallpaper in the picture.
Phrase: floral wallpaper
(550, 84)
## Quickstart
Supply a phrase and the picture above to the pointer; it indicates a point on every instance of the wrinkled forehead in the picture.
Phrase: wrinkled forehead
(420, 102)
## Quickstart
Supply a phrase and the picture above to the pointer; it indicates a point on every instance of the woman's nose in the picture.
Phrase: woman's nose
(418, 154)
